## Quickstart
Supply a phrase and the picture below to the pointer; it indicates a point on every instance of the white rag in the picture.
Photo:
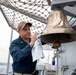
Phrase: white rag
(37, 50)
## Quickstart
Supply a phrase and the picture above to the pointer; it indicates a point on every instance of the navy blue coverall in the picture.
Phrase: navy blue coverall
(22, 58)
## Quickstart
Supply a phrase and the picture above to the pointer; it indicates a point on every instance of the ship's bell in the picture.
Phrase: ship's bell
(58, 29)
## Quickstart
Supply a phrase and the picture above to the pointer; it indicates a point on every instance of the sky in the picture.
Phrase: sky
(5, 35)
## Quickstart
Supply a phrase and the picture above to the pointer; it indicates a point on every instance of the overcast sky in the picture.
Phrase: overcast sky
(5, 35)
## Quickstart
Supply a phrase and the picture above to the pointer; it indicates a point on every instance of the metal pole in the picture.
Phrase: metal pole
(57, 66)
(57, 63)
(7, 71)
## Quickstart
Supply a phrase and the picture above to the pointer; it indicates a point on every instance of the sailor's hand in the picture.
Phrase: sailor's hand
(33, 38)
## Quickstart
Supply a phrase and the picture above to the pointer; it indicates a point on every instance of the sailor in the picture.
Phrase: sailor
(20, 50)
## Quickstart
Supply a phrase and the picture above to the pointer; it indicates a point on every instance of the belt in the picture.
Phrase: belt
(23, 73)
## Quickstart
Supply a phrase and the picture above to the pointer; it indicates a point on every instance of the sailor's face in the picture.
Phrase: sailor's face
(25, 33)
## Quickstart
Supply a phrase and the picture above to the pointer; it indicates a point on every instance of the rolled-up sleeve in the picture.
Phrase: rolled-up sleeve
(17, 53)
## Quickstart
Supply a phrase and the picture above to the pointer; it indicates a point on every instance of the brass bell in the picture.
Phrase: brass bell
(58, 29)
